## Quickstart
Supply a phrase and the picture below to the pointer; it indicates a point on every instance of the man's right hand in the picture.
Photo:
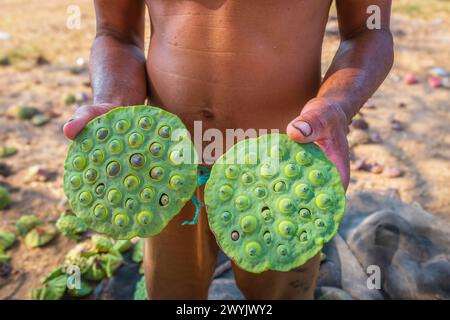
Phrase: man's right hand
(82, 116)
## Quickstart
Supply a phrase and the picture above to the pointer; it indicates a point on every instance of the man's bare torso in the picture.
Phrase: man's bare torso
(233, 63)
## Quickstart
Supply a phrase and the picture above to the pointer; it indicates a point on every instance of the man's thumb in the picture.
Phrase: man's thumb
(305, 128)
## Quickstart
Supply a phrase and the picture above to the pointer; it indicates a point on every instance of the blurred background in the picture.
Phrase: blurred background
(400, 142)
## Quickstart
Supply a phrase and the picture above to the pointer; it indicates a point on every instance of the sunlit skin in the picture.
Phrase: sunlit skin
(241, 64)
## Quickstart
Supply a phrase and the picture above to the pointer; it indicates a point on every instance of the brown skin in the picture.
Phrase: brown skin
(240, 64)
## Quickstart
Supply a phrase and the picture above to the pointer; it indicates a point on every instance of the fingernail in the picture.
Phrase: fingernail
(303, 127)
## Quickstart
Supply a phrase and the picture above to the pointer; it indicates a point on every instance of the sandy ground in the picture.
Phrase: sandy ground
(37, 29)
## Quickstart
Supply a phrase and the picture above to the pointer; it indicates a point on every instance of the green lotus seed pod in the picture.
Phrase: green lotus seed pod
(249, 224)
(323, 201)
(115, 146)
(5, 199)
(280, 208)
(253, 249)
(316, 177)
(112, 180)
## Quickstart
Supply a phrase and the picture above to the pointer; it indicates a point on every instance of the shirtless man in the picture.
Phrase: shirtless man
(236, 64)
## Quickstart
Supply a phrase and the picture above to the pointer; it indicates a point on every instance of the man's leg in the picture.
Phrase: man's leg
(296, 284)
(180, 261)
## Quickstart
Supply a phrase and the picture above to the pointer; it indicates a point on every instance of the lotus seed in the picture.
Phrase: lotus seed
(100, 189)
(176, 157)
(113, 169)
(157, 173)
(247, 178)
(102, 133)
(231, 172)
(286, 228)
(304, 213)
(114, 196)
(137, 160)
(75, 182)
(303, 236)
(253, 249)
(91, 175)
(290, 170)
(303, 157)
(303, 191)
(79, 163)
(121, 220)
(316, 177)
(145, 123)
(242, 203)
(267, 237)
(323, 201)
(147, 194)
(266, 214)
(225, 192)
(164, 200)
(282, 250)
(122, 126)
(279, 186)
(145, 217)
(85, 198)
(164, 132)
(130, 204)
(131, 182)
(226, 216)
(156, 149)
(97, 156)
(135, 139)
(249, 224)
(86, 145)
(176, 182)
(235, 236)
(267, 170)
(115, 146)
(285, 205)
(100, 212)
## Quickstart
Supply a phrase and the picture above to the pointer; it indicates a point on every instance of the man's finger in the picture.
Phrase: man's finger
(307, 127)
(81, 117)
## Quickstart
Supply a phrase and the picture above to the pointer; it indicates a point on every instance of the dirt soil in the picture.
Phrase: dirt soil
(42, 52)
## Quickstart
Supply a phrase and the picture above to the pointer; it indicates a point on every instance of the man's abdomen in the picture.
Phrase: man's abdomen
(237, 65)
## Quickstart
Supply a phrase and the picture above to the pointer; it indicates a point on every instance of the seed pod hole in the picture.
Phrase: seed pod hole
(135, 139)
(304, 213)
(164, 200)
(91, 175)
(279, 186)
(97, 156)
(266, 214)
(130, 204)
(235, 236)
(115, 146)
(100, 189)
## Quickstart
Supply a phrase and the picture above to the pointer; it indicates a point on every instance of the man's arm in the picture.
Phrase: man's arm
(362, 62)
(117, 64)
